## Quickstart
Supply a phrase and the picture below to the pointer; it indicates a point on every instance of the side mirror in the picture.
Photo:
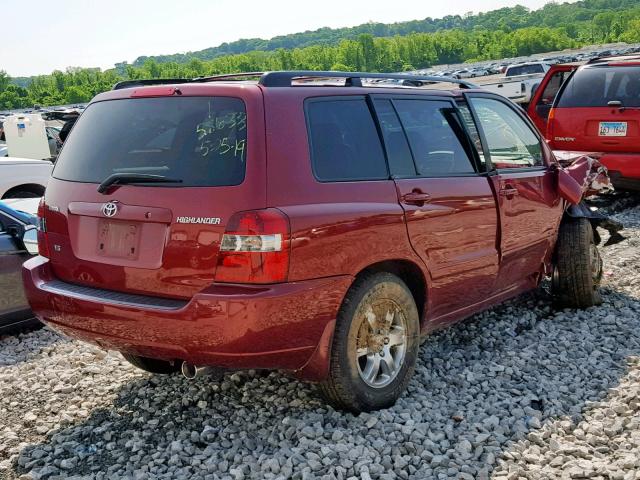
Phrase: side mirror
(30, 240)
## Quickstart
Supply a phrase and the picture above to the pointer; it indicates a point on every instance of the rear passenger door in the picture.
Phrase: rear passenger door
(528, 200)
(448, 202)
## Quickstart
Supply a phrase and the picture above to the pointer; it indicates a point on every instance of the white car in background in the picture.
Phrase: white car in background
(23, 177)
(464, 73)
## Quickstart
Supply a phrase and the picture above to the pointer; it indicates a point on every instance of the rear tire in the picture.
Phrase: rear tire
(578, 269)
(152, 365)
(375, 345)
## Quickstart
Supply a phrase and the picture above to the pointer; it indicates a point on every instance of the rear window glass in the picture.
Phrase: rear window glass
(524, 70)
(597, 86)
(344, 141)
(199, 140)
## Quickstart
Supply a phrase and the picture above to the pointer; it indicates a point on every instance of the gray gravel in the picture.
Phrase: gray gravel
(521, 391)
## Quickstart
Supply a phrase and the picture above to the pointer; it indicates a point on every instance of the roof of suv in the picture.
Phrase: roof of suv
(303, 77)
(619, 60)
(332, 83)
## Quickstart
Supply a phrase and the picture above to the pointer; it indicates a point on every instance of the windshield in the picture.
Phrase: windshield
(199, 140)
(524, 70)
(596, 86)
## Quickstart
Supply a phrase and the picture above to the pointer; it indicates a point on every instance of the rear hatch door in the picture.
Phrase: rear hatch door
(599, 110)
(204, 151)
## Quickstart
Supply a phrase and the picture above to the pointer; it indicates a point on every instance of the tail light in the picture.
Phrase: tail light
(550, 117)
(43, 246)
(255, 248)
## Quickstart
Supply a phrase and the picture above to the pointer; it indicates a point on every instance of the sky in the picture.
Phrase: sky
(40, 36)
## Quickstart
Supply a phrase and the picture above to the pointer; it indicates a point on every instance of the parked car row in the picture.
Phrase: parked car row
(497, 67)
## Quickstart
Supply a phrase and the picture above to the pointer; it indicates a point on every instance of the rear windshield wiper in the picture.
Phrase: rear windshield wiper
(127, 178)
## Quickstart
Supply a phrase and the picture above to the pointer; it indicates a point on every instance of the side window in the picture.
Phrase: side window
(435, 137)
(510, 141)
(395, 141)
(470, 125)
(344, 141)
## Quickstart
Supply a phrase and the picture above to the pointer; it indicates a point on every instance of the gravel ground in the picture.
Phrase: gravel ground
(520, 391)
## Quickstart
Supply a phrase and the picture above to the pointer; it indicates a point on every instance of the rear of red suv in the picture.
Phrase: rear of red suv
(598, 110)
(156, 239)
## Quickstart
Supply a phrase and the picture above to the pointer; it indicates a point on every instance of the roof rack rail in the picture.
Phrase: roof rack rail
(286, 78)
(353, 79)
(151, 81)
(167, 81)
(228, 76)
(614, 58)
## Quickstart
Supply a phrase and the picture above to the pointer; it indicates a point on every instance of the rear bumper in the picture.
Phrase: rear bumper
(624, 169)
(284, 326)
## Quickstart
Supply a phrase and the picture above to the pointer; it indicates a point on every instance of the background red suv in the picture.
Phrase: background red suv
(596, 110)
(312, 225)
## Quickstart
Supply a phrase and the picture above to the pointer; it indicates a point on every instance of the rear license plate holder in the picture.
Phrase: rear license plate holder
(612, 129)
(118, 239)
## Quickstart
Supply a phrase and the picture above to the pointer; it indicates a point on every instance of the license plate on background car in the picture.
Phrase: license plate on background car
(118, 239)
(613, 129)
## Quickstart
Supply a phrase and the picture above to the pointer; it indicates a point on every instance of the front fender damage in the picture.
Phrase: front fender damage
(580, 177)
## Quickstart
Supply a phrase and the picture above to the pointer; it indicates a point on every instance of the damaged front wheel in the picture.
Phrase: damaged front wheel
(578, 267)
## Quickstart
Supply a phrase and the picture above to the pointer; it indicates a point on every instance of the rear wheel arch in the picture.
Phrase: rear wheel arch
(378, 304)
(410, 273)
(31, 188)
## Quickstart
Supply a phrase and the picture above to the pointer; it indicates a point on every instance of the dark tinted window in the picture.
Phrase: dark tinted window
(435, 137)
(524, 70)
(395, 141)
(200, 140)
(344, 141)
(596, 86)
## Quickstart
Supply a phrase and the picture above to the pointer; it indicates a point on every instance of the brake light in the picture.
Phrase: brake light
(255, 248)
(550, 117)
(43, 247)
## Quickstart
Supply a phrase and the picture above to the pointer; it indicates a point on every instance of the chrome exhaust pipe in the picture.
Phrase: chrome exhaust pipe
(192, 371)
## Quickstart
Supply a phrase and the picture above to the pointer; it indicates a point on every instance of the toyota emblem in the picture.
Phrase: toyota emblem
(109, 209)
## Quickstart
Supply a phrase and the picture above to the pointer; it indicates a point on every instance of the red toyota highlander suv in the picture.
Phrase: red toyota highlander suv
(596, 110)
(314, 223)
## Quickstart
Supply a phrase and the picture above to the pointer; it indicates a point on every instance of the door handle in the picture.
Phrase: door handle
(509, 192)
(416, 198)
